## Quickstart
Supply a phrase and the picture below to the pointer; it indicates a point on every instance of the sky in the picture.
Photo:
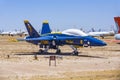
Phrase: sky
(61, 14)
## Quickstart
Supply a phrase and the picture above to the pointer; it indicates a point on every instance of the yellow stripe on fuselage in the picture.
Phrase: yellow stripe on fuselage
(56, 32)
(69, 41)
(44, 42)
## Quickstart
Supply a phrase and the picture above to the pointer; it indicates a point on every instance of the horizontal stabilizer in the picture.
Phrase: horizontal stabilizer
(21, 39)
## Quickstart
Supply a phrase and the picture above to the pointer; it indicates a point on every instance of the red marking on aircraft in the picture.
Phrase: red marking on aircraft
(118, 41)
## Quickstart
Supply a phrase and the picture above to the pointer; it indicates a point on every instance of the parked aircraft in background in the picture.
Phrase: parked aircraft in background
(48, 40)
(13, 33)
(78, 32)
(93, 34)
(101, 33)
(75, 32)
(117, 22)
(5, 33)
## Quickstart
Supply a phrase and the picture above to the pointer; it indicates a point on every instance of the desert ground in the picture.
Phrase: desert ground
(18, 62)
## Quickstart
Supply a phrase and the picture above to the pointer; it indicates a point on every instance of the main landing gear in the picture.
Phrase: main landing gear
(45, 50)
(75, 52)
(58, 51)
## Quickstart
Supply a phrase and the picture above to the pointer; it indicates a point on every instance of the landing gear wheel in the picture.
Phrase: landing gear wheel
(41, 51)
(75, 53)
(85, 45)
(58, 51)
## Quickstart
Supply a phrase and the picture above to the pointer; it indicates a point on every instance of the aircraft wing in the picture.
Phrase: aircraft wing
(52, 38)
(40, 38)
(68, 38)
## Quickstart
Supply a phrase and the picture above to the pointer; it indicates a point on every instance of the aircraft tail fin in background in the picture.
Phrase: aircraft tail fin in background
(117, 22)
(45, 28)
(31, 31)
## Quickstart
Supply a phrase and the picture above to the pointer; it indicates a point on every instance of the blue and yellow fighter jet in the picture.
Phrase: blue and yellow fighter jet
(48, 40)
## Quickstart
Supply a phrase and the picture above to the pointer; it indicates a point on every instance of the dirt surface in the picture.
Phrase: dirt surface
(17, 62)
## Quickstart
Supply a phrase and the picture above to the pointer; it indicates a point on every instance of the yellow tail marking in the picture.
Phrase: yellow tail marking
(30, 28)
(46, 21)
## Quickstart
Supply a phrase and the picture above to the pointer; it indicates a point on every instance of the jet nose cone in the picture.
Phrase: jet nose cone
(100, 43)
(104, 44)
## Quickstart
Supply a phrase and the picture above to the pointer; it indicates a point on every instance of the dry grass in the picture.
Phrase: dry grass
(96, 63)
(92, 75)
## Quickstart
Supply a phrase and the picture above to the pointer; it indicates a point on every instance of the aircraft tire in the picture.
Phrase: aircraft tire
(75, 53)
(58, 51)
(41, 51)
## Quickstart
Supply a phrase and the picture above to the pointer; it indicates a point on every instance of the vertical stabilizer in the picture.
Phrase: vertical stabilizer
(117, 22)
(31, 31)
(45, 28)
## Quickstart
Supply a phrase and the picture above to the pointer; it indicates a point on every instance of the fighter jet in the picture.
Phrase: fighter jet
(48, 40)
